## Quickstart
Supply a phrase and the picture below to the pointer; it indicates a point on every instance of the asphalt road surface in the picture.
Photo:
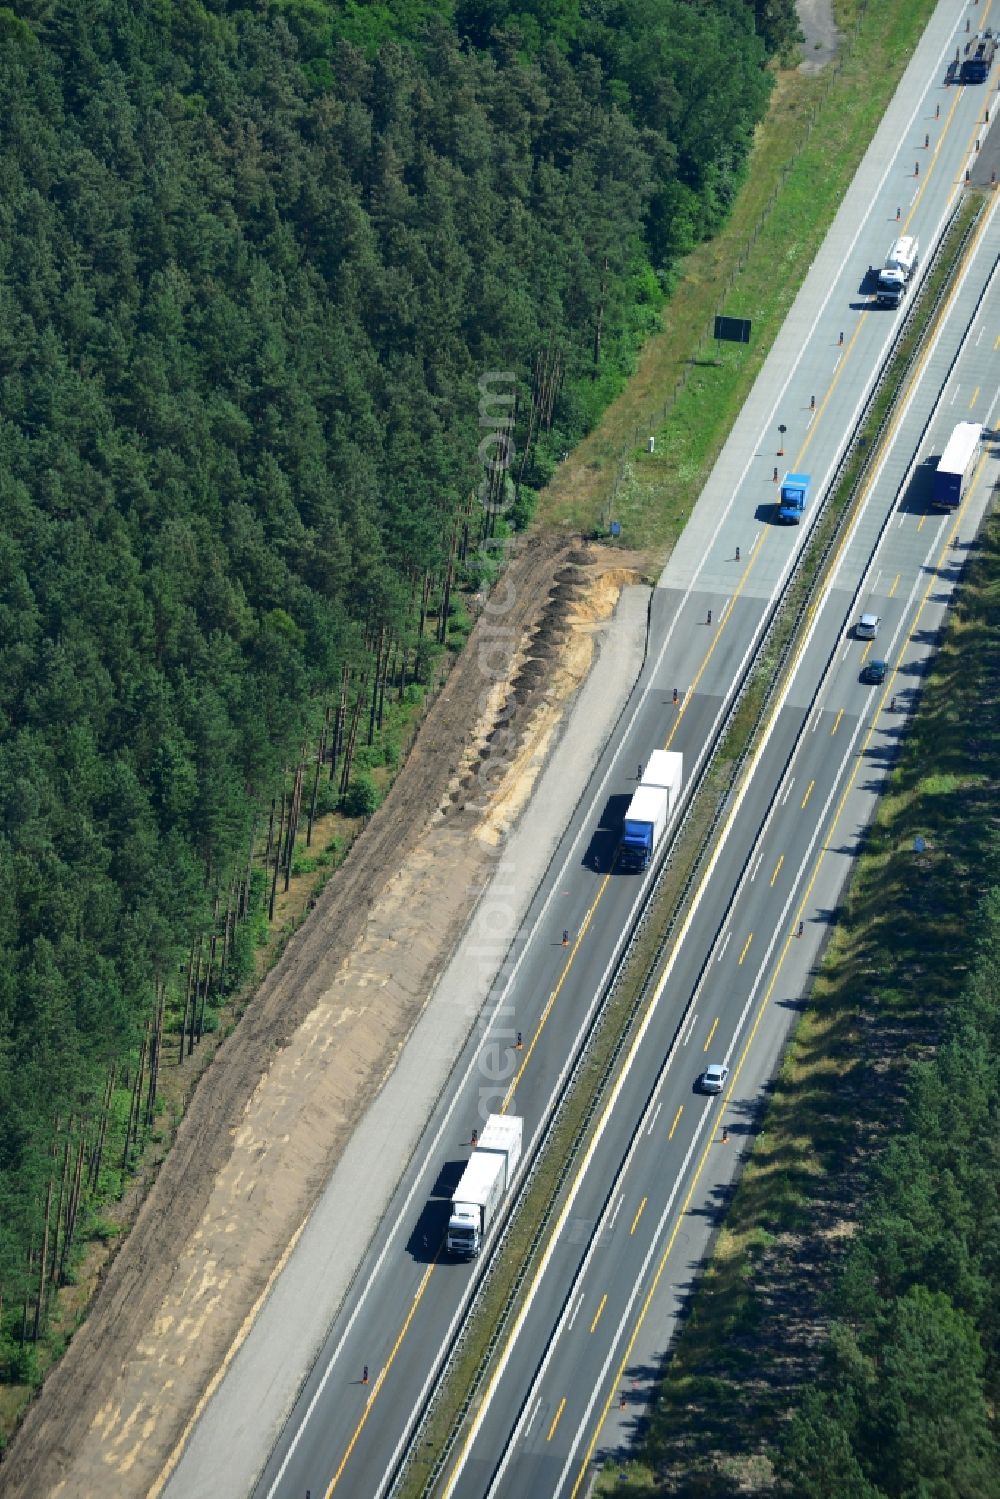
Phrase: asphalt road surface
(739, 971)
(598, 1317)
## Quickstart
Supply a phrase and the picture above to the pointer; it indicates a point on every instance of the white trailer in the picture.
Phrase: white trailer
(502, 1135)
(478, 1196)
(957, 465)
(666, 770)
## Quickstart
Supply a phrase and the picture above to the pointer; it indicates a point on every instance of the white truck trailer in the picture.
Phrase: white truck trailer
(477, 1198)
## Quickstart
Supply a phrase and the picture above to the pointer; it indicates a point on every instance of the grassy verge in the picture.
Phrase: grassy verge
(807, 151)
(753, 1335)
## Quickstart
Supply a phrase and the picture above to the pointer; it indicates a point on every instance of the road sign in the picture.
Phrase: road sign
(735, 330)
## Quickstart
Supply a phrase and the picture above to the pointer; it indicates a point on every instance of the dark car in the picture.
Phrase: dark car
(875, 672)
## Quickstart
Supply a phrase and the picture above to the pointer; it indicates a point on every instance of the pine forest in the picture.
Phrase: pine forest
(258, 265)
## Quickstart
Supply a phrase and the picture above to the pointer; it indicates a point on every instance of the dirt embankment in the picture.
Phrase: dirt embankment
(275, 1109)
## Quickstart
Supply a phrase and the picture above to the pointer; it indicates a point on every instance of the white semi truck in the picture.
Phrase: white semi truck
(650, 809)
(895, 276)
(484, 1182)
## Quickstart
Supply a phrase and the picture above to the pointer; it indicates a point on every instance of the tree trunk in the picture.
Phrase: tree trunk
(277, 861)
(376, 680)
(154, 1053)
(424, 596)
(72, 1206)
(320, 756)
(63, 1185)
(245, 893)
(270, 834)
(132, 1128)
(43, 1260)
(446, 595)
(194, 995)
(337, 736)
(25, 1307)
(345, 775)
(97, 1154)
(403, 663)
(296, 812)
(187, 1002)
(204, 992)
(227, 931)
(388, 675)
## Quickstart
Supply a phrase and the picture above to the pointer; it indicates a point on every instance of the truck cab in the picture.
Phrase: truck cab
(794, 498)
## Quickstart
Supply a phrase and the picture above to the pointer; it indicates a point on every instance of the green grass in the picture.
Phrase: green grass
(807, 151)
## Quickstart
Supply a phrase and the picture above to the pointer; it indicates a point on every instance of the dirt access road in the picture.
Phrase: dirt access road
(278, 1104)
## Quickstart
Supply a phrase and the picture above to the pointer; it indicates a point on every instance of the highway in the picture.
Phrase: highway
(738, 970)
(639, 1214)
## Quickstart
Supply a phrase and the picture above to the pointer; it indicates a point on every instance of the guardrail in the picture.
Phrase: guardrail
(813, 561)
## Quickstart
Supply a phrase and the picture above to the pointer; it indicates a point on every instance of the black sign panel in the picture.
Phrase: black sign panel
(735, 329)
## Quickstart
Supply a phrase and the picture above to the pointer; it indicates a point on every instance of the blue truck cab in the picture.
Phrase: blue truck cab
(794, 497)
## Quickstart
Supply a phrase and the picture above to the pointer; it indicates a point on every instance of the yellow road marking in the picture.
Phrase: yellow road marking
(777, 866)
(933, 161)
(508, 1097)
(746, 949)
(677, 1120)
(597, 1314)
(895, 585)
(381, 1379)
(711, 1033)
(836, 722)
(887, 436)
(765, 998)
(635, 1220)
(808, 794)
(556, 1419)
(838, 371)
(973, 398)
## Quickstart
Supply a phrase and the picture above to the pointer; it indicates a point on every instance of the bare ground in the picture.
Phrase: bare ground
(278, 1104)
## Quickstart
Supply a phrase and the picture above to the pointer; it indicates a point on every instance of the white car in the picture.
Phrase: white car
(713, 1079)
(867, 626)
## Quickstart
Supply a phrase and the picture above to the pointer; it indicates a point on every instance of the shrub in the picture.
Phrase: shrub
(361, 797)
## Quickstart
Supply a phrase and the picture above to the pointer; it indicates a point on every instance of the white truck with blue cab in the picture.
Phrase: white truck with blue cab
(650, 809)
